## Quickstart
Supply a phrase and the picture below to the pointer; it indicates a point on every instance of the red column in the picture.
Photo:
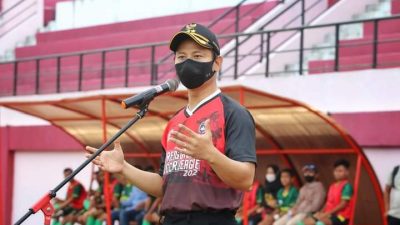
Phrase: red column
(245, 217)
(356, 187)
(1, 176)
(106, 189)
(6, 177)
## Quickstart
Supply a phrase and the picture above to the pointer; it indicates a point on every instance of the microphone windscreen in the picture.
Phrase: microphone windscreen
(173, 84)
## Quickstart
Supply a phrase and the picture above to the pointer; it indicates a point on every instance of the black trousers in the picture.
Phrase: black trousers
(393, 221)
(200, 218)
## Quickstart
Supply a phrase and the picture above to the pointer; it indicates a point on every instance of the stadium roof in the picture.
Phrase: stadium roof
(288, 133)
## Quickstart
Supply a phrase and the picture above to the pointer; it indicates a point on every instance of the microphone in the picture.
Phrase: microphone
(169, 85)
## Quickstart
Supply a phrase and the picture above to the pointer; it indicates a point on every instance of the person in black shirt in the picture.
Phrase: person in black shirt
(208, 157)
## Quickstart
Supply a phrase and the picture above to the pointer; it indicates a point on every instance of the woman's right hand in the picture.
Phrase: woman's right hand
(110, 161)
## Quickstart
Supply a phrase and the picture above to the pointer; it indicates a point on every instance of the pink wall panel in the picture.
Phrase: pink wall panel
(372, 128)
(33, 138)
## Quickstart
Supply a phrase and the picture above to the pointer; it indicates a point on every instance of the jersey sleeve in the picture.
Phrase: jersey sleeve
(118, 190)
(294, 197)
(347, 192)
(162, 163)
(240, 134)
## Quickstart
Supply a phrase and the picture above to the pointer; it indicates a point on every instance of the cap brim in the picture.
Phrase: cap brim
(182, 35)
(309, 169)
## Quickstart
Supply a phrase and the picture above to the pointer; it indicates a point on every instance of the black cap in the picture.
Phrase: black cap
(310, 167)
(199, 33)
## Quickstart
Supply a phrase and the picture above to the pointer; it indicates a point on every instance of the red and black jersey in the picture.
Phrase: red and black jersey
(78, 193)
(191, 184)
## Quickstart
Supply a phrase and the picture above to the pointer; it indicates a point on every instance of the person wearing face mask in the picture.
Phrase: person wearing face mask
(208, 157)
(272, 185)
(310, 200)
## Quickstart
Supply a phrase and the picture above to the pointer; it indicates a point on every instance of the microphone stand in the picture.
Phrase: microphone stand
(44, 203)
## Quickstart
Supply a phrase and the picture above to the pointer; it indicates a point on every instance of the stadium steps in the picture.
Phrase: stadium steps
(108, 36)
(321, 58)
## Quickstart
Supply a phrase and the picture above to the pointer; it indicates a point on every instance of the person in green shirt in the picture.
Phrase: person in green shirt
(286, 197)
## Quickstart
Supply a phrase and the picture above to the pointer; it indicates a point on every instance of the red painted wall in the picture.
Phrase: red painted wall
(395, 7)
(332, 2)
(50, 10)
(34, 138)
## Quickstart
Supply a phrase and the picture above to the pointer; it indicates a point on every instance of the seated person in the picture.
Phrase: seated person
(66, 210)
(268, 194)
(93, 204)
(286, 198)
(271, 187)
(310, 200)
(339, 204)
(132, 208)
(392, 197)
(121, 193)
(254, 200)
(152, 216)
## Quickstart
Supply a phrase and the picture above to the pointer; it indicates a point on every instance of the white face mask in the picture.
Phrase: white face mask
(270, 177)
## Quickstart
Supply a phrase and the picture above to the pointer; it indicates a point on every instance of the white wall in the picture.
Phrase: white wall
(358, 91)
(24, 20)
(383, 161)
(36, 173)
(9, 117)
(73, 14)
(341, 11)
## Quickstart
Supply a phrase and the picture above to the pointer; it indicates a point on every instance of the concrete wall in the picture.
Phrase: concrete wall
(35, 173)
(22, 21)
(76, 14)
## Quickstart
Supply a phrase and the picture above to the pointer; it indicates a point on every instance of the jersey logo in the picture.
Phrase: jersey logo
(202, 127)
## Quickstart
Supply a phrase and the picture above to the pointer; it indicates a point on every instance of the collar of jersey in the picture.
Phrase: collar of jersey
(206, 99)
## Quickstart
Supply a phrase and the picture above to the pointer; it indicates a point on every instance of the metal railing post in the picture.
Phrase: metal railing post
(127, 67)
(267, 55)
(37, 76)
(15, 78)
(152, 64)
(337, 30)
(236, 43)
(375, 45)
(103, 69)
(301, 51)
(58, 74)
(80, 72)
(303, 9)
(261, 47)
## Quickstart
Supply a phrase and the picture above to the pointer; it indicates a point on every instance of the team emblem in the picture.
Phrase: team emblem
(191, 28)
(202, 128)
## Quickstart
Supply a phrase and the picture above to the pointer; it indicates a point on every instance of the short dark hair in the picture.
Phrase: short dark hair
(149, 169)
(342, 162)
(288, 171)
(69, 170)
(274, 167)
(138, 166)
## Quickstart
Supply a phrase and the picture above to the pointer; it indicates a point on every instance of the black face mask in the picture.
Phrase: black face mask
(193, 74)
(309, 179)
